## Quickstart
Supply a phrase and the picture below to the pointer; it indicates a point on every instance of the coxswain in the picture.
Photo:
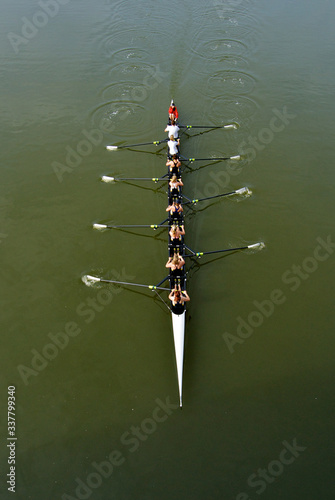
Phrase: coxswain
(173, 146)
(173, 112)
(178, 297)
(175, 208)
(174, 164)
(174, 184)
(176, 232)
(172, 129)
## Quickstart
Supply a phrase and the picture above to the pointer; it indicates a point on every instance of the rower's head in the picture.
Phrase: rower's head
(171, 138)
(174, 229)
(174, 178)
(173, 122)
(175, 261)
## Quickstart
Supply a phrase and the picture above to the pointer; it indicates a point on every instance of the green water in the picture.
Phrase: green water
(260, 325)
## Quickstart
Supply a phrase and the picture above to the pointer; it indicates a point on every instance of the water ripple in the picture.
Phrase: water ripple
(239, 109)
(115, 115)
(229, 82)
(242, 27)
(218, 48)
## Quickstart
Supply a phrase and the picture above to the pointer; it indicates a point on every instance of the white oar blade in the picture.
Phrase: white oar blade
(100, 227)
(258, 246)
(244, 191)
(90, 280)
(230, 125)
(237, 157)
(106, 178)
(111, 148)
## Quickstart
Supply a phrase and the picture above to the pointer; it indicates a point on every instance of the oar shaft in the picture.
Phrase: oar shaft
(210, 197)
(213, 159)
(135, 145)
(152, 287)
(154, 179)
(230, 125)
(200, 254)
(152, 226)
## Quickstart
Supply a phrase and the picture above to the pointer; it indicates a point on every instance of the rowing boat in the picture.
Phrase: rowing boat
(178, 317)
(178, 314)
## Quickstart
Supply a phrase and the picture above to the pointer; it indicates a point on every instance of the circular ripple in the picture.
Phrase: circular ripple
(233, 82)
(137, 71)
(241, 29)
(230, 63)
(130, 37)
(126, 91)
(124, 117)
(130, 55)
(239, 109)
(220, 47)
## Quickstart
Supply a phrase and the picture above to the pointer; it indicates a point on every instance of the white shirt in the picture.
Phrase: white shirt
(173, 147)
(172, 130)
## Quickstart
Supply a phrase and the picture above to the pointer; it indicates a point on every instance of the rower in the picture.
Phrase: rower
(173, 145)
(176, 232)
(178, 297)
(176, 264)
(172, 129)
(173, 112)
(174, 185)
(174, 164)
(175, 208)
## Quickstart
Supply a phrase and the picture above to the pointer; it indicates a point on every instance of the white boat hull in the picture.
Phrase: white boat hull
(178, 325)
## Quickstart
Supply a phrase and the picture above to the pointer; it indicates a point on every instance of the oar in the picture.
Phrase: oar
(106, 178)
(229, 125)
(200, 254)
(237, 157)
(152, 226)
(152, 287)
(114, 148)
(243, 190)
